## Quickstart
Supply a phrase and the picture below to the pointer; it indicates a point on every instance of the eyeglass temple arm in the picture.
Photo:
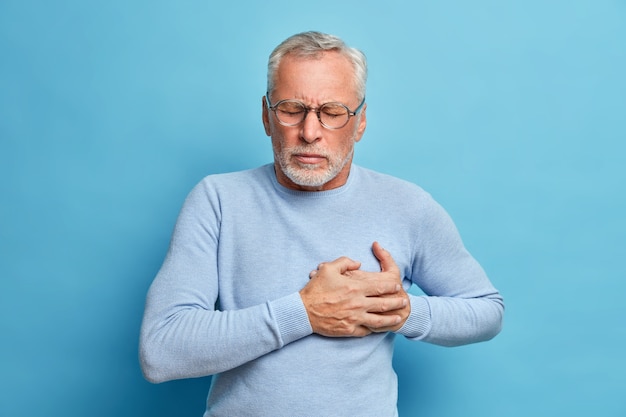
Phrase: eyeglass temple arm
(267, 100)
(358, 109)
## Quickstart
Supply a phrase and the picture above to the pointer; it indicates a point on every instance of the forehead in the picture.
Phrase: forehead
(329, 75)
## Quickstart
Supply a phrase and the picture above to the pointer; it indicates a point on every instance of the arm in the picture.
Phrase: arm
(460, 305)
(342, 300)
(183, 334)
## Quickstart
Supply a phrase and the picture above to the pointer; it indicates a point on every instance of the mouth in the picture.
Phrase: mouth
(309, 158)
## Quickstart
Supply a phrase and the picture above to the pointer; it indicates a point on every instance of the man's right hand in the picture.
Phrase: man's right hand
(342, 304)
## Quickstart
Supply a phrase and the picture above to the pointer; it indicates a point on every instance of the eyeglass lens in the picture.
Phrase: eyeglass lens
(332, 115)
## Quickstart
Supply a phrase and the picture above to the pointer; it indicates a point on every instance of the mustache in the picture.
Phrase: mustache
(307, 149)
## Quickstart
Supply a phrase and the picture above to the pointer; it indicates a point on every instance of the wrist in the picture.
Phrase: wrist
(418, 322)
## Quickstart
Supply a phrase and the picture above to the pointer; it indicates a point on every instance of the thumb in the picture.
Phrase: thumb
(384, 258)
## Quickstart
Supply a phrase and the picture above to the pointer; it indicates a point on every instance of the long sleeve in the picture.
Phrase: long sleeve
(183, 335)
(460, 305)
(226, 300)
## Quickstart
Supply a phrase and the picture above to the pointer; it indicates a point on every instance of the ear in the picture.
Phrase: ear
(360, 129)
(266, 117)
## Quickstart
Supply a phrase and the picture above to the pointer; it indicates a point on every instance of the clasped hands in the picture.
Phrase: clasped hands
(341, 300)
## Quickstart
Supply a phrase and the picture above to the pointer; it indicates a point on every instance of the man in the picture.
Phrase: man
(289, 282)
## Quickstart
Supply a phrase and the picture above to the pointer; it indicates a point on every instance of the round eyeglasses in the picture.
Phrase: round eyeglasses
(331, 115)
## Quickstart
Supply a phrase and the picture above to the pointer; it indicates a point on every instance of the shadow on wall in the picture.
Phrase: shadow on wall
(422, 375)
(184, 398)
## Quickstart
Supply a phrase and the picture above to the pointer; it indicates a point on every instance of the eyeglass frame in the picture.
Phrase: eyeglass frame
(308, 109)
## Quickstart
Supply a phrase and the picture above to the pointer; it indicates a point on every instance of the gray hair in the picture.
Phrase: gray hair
(311, 45)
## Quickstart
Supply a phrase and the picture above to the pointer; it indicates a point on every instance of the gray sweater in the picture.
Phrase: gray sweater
(226, 300)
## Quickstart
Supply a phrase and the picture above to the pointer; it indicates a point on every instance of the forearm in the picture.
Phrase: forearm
(183, 333)
(460, 305)
(454, 321)
(187, 341)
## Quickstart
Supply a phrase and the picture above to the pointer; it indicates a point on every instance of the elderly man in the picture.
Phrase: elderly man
(289, 282)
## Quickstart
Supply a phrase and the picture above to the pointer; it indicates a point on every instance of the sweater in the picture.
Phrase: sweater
(226, 300)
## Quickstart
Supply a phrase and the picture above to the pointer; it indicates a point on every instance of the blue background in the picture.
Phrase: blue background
(511, 113)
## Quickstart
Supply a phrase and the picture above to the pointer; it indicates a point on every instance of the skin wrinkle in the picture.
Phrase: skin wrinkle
(314, 82)
(268, 310)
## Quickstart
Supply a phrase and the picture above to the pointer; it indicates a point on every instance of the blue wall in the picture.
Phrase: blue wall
(512, 114)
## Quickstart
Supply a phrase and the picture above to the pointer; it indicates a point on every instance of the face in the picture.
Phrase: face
(309, 156)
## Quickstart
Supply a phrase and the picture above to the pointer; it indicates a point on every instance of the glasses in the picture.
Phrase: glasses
(331, 115)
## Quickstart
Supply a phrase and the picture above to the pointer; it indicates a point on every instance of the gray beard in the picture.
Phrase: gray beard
(305, 175)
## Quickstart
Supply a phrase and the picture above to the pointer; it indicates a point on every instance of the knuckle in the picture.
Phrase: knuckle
(385, 288)
(380, 321)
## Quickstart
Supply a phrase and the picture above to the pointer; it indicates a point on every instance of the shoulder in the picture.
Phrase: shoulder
(397, 195)
(389, 186)
(238, 182)
(247, 178)
(239, 185)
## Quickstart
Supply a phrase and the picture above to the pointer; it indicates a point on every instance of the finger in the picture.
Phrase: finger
(385, 304)
(342, 265)
(384, 258)
(373, 284)
(378, 322)
(361, 331)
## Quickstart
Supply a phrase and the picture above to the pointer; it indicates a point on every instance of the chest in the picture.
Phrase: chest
(269, 252)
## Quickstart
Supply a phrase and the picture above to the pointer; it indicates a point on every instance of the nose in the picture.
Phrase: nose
(311, 128)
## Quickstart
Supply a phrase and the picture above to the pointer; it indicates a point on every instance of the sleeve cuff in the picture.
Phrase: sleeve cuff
(291, 318)
(418, 323)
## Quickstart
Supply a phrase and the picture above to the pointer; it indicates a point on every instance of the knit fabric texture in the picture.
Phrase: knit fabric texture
(226, 300)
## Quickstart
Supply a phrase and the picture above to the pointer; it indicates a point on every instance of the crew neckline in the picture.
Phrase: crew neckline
(312, 194)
